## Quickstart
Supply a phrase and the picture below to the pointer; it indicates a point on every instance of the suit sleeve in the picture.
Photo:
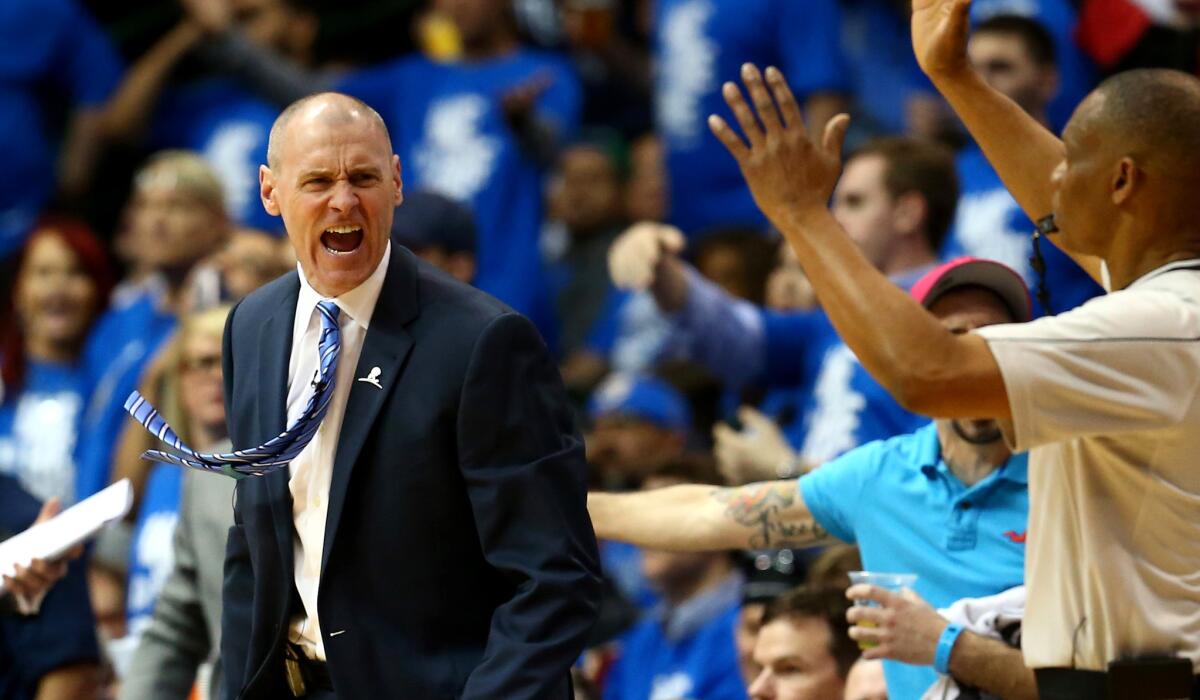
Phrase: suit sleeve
(237, 595)
(176, 642)
(523, 463)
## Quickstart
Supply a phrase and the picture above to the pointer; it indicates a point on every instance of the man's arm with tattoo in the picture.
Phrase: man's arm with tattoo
(769, 514)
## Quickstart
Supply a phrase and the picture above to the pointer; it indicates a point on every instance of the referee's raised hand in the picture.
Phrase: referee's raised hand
(788, 172)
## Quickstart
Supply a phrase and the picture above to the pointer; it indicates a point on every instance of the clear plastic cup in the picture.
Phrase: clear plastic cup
(888, 581)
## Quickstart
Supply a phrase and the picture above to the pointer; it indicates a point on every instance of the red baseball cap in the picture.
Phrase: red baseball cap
(966, 271)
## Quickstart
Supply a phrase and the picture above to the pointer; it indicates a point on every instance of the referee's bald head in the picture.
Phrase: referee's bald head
(1153, 115)
(1131, 171)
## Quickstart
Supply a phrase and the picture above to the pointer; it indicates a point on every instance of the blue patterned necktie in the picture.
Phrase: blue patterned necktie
(278, 451)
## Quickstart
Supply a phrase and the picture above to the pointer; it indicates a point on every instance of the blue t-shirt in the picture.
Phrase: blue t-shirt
(229, 126)
(908, 513)
(990, 224)
(448, 127)
(788, 407)
(846, 406)
(630, 332)
(622, 564)
(700, 44)
(1076, 74)
(47, 48)
(699, 666)
(120, 346)
(877, 40)
(38, 430)
(64, 630)
(747, 345)
(152, 553)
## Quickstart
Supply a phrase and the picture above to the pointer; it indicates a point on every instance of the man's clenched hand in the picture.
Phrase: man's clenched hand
(635, 257)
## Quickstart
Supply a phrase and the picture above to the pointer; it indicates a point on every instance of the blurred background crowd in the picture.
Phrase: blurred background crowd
(533, 134)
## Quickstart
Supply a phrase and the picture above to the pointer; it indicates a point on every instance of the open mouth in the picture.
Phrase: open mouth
(342, 240)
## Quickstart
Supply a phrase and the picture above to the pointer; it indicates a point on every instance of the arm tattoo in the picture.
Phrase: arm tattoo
(762, 510)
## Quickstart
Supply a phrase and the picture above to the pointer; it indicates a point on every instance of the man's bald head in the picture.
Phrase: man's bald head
(331, 108)
(335, 180)
(1153, 116)
(1125, 190)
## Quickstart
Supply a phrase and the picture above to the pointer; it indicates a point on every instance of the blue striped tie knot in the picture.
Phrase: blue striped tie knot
(277, 452)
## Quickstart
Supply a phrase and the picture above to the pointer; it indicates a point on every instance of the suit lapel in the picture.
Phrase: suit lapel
(275, 351)
(385, 347)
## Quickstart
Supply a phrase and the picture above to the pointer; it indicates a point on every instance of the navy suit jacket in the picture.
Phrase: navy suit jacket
(459, 560)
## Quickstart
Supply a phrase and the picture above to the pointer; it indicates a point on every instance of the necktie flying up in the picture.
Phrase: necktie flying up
(276, 452)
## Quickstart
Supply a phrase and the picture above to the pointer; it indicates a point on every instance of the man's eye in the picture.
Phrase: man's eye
(365, 179)
(999, 67)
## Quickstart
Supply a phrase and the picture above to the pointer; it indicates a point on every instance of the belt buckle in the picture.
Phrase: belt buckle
(295, 678)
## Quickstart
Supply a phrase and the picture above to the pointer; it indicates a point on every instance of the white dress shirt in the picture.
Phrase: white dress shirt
(312, 470)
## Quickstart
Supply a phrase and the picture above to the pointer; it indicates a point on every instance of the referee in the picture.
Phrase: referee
(1104, 397)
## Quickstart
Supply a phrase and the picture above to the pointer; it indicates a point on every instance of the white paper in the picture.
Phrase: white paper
(70, 527)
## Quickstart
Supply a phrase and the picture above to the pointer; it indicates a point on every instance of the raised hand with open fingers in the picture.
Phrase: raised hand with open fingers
(939, 35)
(788, 172)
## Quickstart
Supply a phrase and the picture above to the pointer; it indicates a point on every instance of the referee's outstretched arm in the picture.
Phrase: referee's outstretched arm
(926, 367)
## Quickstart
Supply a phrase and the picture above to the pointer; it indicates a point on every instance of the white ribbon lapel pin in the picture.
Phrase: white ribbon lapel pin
(372, 378)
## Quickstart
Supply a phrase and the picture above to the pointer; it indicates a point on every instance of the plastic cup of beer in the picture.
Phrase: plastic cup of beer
(887, 581)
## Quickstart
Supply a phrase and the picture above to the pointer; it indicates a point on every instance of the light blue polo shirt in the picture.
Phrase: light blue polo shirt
(900, 503)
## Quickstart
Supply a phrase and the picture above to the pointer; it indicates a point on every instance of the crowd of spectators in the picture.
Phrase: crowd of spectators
(555, 153)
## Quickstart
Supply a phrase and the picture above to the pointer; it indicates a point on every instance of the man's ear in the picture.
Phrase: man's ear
(266, 190)
(397, 180)
(1126, 179)
(461, 266)
(909, 213)
(1048, 85)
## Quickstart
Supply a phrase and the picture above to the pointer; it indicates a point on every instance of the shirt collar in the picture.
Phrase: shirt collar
(906, 279)
(1190, 264)
(358, 303)
(689, 616)
(927, 456)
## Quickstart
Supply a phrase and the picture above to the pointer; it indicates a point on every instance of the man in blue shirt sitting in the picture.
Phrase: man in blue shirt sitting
(896, 197)
(177, 217)
(948, 502)
(685, 647)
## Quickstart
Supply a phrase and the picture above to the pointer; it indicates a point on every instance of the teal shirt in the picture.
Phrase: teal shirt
(908, 513)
